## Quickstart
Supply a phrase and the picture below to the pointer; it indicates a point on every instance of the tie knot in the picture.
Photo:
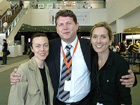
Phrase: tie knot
(68, 47)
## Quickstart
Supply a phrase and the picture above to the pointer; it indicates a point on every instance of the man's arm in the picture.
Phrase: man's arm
(3, 48)
(129, 80)
(14, 77)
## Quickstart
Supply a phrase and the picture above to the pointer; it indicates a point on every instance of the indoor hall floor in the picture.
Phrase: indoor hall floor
(5, 71)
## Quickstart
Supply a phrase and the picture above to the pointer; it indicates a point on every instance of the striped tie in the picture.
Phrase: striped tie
(64, 95)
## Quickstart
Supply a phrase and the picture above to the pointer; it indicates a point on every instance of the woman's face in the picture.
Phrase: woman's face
(100, 40)
(40, 48)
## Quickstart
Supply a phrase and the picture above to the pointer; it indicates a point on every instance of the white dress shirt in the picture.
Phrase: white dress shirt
(79, 86)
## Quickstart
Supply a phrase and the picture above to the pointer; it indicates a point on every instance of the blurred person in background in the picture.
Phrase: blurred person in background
(135, 52)
(123, 46)
(5, 25)
(20, 4)
(4, 50)
(130, 46)
(9, 14)
(114, 47)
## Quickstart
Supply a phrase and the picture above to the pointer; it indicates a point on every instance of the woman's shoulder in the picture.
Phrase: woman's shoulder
(23, 67)
(117, 58)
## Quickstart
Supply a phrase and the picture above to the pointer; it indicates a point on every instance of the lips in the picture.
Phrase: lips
(43, 54)
(98, 46)
(66, 32)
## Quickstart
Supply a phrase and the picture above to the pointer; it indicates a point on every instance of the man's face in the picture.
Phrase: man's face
(67, 28)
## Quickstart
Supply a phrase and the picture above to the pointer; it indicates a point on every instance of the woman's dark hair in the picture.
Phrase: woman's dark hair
(34, 36)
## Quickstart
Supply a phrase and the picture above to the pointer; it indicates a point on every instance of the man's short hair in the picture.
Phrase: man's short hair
(65, 13)
(4, 39)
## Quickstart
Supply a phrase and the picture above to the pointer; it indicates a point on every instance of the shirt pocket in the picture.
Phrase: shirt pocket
(109, 84)
(34, 96)
(34, 91)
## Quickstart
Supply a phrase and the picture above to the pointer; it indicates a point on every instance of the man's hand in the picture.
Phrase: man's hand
(128, 80)
(14, 77)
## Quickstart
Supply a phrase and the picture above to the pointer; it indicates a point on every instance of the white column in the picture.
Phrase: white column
(120, 25)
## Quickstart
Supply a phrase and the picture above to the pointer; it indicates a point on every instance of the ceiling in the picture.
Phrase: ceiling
(133, 30)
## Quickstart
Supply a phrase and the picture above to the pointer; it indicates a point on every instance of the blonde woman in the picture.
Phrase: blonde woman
(108, 68)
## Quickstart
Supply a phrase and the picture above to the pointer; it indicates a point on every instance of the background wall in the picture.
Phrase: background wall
(4, 5)
(118, 8)
(40, 17)
(123, 13)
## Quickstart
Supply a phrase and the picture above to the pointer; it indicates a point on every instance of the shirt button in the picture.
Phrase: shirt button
(107, 81)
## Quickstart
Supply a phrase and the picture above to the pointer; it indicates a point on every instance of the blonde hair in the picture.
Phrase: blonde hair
(105, 25)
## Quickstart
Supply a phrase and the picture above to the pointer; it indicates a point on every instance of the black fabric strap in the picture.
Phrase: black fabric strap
(45, 83)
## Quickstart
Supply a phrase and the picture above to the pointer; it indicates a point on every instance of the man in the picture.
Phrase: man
(77, 87)
(5, 24)
(134, 52)
(123, 47)
(9, 14)
(4, 50)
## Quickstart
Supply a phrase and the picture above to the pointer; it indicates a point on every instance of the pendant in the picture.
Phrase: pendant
(68, 71)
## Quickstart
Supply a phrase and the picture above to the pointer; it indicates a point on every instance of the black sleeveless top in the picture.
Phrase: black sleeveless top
(44, 79)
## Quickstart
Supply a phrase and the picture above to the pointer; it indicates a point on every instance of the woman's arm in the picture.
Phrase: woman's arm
(124, 93)
(18, 91)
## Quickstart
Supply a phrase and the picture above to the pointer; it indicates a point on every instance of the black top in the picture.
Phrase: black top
(44, 79)
(108, 89)
(5, 47)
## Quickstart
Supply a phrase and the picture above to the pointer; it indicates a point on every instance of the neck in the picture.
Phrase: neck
(69, 41)
(40, 63)
(102, 58)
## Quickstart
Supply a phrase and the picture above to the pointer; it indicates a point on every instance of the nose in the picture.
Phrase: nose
(98, 40)
(42, 48)
(65, 26)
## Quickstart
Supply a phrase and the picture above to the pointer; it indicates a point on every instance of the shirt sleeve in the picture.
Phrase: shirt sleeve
(18, 91)
(124, 93)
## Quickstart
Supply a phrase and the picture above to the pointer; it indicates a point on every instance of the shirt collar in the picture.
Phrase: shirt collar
(64, 44)
(109, 60)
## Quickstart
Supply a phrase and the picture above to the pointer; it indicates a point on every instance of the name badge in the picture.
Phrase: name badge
(67, 85)
(99, 103)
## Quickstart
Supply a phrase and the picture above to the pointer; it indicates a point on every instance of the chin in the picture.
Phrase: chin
(98, 50)
(43, 58)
